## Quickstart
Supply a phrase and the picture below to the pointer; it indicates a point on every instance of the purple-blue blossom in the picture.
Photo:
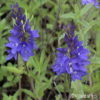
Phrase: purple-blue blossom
(94, 2)
(22, 36)
(73, 59)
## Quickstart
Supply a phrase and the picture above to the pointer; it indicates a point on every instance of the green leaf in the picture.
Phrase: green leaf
(42, 57)
(95, 88)
(9, 97)
(77, 89)
(28, 98)
(50, 26)
(68, 15)
(85, 9)
(8, 84)
(30, 62)
(61, 36)
(98, 44)
(37, 4)
(92, 89)
(3, 24)
(29, 93)
(11, 83)
(58, 97)
(95, 60)
(60, 87)
(14, 70)
(10, 77)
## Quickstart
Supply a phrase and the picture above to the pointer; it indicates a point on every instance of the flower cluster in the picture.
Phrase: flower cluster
(73, 59)
(22, 36)
(94, 2)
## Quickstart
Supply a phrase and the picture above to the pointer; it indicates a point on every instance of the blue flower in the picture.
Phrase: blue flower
(73, 59)
(25, 49)
(60, 64)
(13, 44)
(94, 2)
(11, 55)
(22, 39)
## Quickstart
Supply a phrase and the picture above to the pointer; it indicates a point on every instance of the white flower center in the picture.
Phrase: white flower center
(70, 64)
(78, 53)
(24, 45)
(71, 70)
(16, 44)
(77, 47)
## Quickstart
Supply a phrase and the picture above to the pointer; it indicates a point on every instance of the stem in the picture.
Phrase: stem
(59, 3)
(30, 78)
(90, 82)
(49, 95)
(65, 86)
(20, 97)
(58, 89)
(69, 96)
(32, 84)
(20, 86)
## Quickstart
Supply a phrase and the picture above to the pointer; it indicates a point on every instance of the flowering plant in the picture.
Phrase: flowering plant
(22, 36)
(73, 59)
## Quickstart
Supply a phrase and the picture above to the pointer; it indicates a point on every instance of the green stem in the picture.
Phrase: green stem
(59, 4)
(20, 86)
(69, 96)
(20, 97)
(30, 78)
(90, 81)
(65, 86)
(32, 84)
